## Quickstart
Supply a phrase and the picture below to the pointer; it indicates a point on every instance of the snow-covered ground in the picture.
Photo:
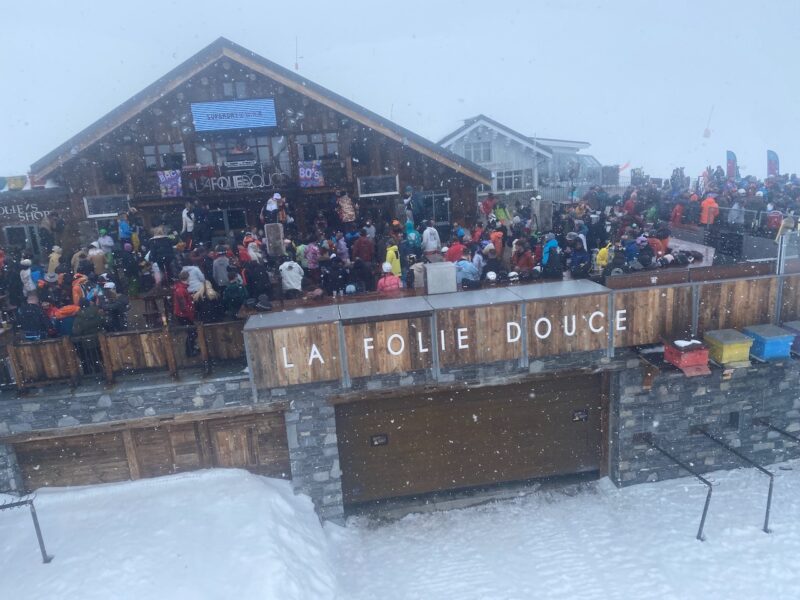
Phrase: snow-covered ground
(229, 534)
(214, 534)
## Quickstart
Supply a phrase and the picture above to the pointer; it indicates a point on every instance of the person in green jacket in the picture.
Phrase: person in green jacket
(87, 325)
(234, 295)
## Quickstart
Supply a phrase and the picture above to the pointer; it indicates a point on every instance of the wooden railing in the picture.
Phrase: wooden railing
(685, 308)
(50, 362)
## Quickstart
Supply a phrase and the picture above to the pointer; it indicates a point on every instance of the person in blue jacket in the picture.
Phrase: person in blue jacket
(551, 259)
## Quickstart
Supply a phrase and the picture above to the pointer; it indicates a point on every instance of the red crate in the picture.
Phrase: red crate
(695, 355)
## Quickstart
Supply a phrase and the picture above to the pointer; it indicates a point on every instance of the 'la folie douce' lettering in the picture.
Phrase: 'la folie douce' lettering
(397, 344)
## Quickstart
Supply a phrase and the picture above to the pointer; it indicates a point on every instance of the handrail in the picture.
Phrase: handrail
(750, 462)
(783, 432)
(28, 501)
(702, 479)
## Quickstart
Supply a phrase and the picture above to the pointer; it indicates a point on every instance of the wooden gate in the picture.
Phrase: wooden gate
(466, 438)
(256, 442)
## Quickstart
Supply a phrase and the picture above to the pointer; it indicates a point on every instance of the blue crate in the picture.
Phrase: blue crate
(769, 342)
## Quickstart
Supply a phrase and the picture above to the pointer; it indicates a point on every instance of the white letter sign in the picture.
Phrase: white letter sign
(461, 332)
(315, 355)
(286, 362)
(512, 325)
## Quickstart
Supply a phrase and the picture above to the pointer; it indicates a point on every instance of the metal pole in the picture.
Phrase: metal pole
(752, 463)
(707, 483)
(46, 558)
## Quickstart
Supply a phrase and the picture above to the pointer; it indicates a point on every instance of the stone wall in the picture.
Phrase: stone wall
(48, 408)
(728, 407)
(93, 404)
(9, 472)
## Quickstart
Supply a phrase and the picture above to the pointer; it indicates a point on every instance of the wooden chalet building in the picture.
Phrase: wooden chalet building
(231, 128)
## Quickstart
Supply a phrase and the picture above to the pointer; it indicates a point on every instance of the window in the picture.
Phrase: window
(317, 146)
(478, 152)
(270, 152)
(515, 180)
(164, 156)
(237, 90)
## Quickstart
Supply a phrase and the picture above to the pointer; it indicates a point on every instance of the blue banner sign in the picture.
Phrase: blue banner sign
(236, 114)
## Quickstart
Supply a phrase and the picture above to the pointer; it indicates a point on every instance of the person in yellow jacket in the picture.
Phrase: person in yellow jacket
(393, 258)
(603, 256)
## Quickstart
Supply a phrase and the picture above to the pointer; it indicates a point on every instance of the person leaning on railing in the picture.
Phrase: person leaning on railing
(32, 320)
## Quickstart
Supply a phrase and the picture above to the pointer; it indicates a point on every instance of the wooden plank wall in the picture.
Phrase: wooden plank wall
(379, 360)
(558, 342)
(44, 362)
(737, 303)
(225, 340)
(135, 350)
(651, 314)
(486, 330)
(266, 355)
(254, 442)
(790, 301)
(77, 460)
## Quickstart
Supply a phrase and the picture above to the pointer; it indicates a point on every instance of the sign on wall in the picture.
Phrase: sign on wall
(310, 173)
(462, 337)
(169, 182)
(235, 114)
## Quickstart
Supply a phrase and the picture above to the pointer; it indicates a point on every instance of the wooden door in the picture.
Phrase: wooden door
(469, 438)
(75, 460)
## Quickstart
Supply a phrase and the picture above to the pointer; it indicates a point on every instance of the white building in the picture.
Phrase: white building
(520, 163)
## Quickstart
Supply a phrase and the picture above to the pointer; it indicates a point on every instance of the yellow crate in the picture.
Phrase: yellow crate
(727, 346)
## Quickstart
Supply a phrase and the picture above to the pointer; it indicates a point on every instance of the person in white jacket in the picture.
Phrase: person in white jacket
(187, 227)
(291, 278)
(197, 280)
(431, 243)
(28, 284)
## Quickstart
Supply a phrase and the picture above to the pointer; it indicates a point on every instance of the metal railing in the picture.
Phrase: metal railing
(752, 463)
(28, 501)
(651, 441)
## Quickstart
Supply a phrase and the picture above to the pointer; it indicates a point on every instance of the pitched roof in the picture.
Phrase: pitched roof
(223, 47)
(541, 144)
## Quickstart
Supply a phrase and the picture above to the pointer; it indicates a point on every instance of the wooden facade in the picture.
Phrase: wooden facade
(121, 153)
(502, 324)
(148, 448)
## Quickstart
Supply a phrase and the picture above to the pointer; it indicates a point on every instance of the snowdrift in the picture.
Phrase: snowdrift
(207, 534)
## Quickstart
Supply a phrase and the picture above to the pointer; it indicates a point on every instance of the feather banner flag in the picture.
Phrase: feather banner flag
(733, 168)
(773, 164)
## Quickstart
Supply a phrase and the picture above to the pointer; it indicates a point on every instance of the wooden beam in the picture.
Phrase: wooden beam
(15, 366)
(169, 352)
(202, 342)
(105, 355)
(130, 454)
(191, 417)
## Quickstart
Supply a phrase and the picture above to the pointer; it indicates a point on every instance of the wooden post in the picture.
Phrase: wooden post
(204, 441)
(73, 365)
(15, 366)
(105, 356)
(169, 352)
(203, 343)
(130, 454)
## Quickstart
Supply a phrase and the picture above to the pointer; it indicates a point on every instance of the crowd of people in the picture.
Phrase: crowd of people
(88, 290)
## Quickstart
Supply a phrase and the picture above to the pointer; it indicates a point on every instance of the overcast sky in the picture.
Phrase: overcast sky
(636, 79)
